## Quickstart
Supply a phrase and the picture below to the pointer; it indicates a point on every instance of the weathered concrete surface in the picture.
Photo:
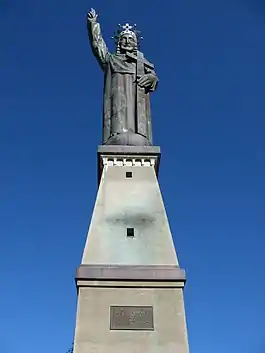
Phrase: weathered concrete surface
(130, 273)
(93, 334)
(117, 270)
(129, 203)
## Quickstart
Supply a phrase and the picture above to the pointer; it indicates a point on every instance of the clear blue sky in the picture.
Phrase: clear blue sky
(208, 117)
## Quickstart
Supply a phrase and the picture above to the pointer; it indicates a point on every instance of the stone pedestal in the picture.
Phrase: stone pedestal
(130, 285)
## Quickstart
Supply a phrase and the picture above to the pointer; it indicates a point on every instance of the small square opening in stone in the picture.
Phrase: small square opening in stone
(128, 174)
(130, 232)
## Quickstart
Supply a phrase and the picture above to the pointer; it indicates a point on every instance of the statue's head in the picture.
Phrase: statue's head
(127, 42)
(127, 39)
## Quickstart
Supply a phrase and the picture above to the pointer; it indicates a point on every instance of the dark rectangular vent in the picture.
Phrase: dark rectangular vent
(130, 232)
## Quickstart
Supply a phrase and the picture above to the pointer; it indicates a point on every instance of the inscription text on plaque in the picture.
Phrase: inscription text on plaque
(131, 318)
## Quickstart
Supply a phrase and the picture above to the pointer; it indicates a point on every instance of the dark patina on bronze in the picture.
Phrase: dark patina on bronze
(131, 318)
(129, 79)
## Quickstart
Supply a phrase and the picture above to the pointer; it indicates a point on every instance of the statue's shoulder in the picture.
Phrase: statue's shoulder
(116, 57)
(113, 56)
(141, 56)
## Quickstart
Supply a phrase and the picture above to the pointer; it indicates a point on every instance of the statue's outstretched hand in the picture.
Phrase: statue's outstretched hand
(147, 81)
(92, 16)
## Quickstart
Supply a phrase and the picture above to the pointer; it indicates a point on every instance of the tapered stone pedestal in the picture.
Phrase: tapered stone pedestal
(130, 286)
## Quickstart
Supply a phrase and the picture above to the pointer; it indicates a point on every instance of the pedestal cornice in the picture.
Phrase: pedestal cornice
(117, 155)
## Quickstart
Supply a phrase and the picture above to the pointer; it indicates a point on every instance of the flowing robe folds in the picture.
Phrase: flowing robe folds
(124, 109)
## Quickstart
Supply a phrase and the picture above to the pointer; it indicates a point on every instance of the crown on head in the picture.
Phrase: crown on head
(127, 29)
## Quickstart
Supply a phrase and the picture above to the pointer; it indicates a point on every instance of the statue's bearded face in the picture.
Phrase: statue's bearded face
(127, 42)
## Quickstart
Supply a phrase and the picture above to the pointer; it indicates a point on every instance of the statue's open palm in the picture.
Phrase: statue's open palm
(92, 15)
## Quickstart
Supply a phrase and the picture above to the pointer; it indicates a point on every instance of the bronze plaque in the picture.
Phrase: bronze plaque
(131, 318)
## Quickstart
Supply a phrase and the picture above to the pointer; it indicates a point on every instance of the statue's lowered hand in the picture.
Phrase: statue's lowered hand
(147, 81)
(92, 15)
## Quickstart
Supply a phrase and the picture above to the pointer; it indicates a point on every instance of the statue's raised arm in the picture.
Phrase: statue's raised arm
(98, 45)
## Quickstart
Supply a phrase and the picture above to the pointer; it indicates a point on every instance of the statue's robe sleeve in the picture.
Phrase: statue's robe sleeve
(98, 45)
(100, 51)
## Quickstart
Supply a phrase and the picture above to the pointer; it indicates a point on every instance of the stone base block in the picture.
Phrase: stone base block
(120, 317)
(132, 309)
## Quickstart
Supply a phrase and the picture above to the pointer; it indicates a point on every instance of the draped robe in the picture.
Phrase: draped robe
(122, 111)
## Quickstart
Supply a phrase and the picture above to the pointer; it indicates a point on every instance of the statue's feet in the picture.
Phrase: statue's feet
(128, 139)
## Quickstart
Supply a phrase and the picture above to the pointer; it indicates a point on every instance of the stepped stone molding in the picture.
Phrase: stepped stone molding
(134, 273)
